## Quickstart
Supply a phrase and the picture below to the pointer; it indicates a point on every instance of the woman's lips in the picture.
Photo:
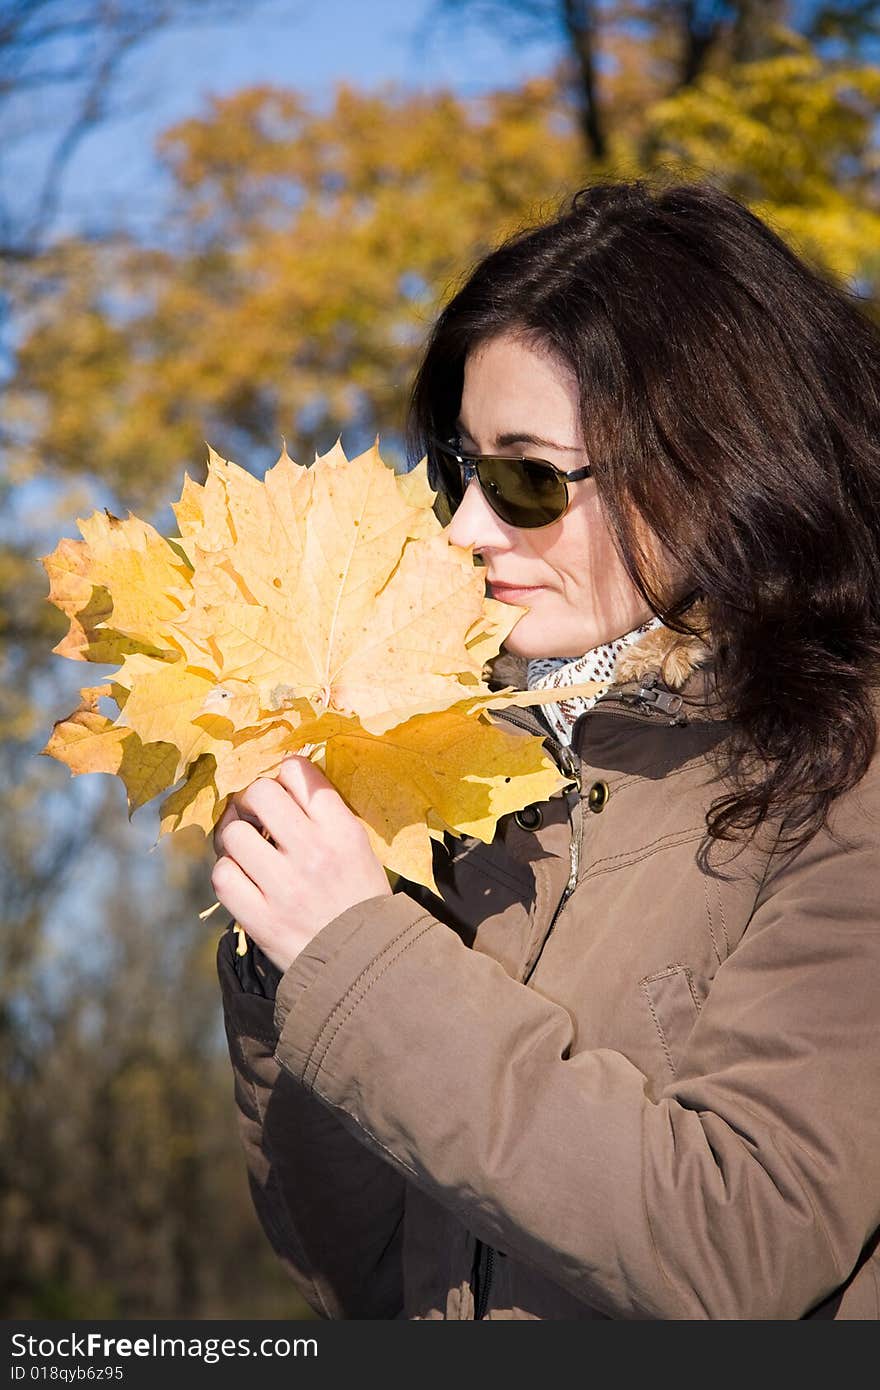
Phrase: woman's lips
(513, 593)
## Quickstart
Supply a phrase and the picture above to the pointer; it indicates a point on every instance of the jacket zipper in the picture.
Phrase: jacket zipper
(484, 1255)
(484, 1266)
(569, 765)
(574, 863)
(654, 701)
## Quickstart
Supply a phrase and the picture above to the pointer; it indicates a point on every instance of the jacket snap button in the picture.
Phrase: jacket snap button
(597, 797)
(529, 818)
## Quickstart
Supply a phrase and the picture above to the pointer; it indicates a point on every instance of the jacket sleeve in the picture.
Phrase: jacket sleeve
(332, 1210)
(744, 1189)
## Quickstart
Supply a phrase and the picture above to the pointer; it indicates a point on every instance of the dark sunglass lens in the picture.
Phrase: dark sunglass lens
(444, 476)
(522, 492)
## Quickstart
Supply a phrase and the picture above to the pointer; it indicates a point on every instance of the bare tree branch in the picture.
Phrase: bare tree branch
(753, 26)
(701, 27)
(90, 114)
(580, 26)
(851, 21)
(78, 46)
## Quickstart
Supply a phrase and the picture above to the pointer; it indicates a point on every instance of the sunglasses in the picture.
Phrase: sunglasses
(523, 492)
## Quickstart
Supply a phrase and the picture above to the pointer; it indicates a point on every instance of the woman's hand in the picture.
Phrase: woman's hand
(321, 861)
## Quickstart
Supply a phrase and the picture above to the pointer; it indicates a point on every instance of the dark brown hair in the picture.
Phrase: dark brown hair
(730, 397)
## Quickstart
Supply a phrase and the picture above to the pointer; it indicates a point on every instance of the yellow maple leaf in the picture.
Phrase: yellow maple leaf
(322, 610)
(202, 513)
(164, 699)
(88, 741)
(452, 769)
(230, 526)
(195, 802)
(364, 586)
(117, 586)
(495, 622)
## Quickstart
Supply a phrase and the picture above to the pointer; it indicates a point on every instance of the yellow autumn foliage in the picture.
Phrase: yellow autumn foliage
(314, 248)
(792, 135)
(321, 610)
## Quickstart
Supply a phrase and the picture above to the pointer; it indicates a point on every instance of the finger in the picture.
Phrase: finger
(273, 807)
(238, 894)
(242, 842)
(234, 812)
(230, 814)
(311, 790)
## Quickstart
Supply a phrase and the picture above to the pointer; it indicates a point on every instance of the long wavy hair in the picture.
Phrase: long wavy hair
(730, 399)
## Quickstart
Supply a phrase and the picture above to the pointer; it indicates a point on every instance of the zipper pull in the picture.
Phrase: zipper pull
(569, 764)
(656, 696)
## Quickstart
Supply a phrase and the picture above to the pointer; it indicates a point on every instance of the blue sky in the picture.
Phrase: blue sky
(307, 44)
(114, 178)
(297, 43)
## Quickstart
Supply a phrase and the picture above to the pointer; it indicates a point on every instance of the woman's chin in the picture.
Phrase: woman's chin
(531, 642)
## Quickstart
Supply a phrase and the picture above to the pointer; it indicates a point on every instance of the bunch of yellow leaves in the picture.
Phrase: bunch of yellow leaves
(320, 611)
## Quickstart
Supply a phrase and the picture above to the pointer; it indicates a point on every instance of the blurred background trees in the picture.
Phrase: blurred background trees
(69, 53)
(300, 258)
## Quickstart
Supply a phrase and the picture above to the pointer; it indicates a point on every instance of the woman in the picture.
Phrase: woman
(626, 1065)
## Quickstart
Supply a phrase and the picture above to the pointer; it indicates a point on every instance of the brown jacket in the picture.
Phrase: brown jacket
(599, 1078)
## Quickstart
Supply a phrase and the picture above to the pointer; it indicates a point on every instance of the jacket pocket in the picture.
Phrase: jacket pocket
(674, 1007)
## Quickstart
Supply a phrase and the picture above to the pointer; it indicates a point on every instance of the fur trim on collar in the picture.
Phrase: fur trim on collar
(674, 657)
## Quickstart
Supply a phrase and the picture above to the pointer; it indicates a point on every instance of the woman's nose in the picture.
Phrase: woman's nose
(475, 523)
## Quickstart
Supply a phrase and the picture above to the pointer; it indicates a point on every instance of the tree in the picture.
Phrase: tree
(669, 43)
(793, 136)
(306, 256)
(122, 1188)
(60, 65)
(311, 251)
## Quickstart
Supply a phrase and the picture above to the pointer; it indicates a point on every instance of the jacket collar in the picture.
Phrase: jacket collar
(663, 672)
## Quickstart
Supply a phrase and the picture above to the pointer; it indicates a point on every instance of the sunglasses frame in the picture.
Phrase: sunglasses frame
(470, 467)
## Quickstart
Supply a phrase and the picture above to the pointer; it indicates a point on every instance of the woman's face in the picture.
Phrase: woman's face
(568, 574)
